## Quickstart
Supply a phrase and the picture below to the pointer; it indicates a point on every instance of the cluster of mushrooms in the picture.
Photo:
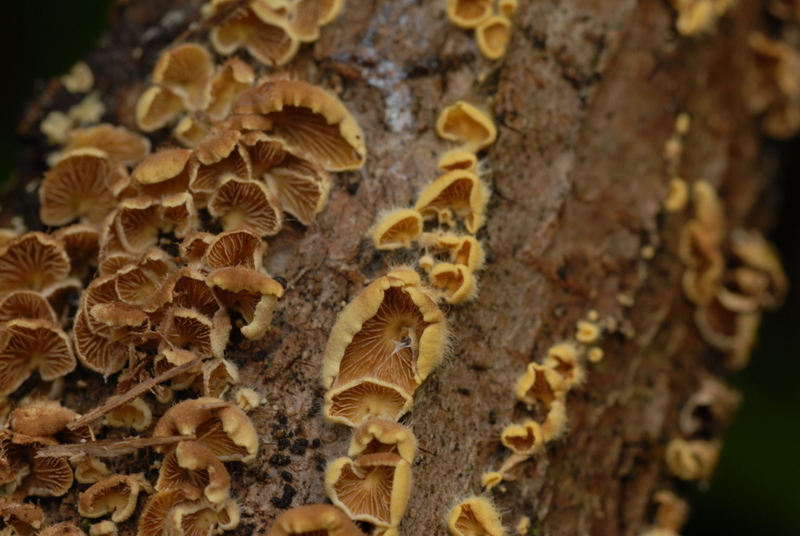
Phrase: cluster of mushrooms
(490, 20)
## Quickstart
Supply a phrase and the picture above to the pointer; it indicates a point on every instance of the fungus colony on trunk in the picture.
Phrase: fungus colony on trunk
(489, 19)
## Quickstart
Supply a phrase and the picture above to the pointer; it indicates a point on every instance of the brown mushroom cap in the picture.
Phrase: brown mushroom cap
(246, 204)
(164, 173)
(27, 345)
(322, 519)
(82, 244)
(463, 122)
(396, 229)
(310, 119)
(193, 331)
(475, 516)
(185, 70)
(374, 488)
(190, 131)
(493, 36)
(308, 15)
(524, 438)
(203, 518)
(459, 192)
(379, 435)
(115, 495)
(26, 304)
(118, 143)
(392, 332)
(50, 477)
(235, 248)
(97, 352)
(82, 185)
(456, 283)
(154, 517)
(248, 292)
(135, 414)
(24, 518)
(90, 470)
(221, 427)
(231, 79)
(266, 34)
(157, 107)
(42, 418)
(185, 288)
(33, 261)
(195, 470)
(540, 383)
(361, 400)
(64, 528)
(468, 13)
(218, 375)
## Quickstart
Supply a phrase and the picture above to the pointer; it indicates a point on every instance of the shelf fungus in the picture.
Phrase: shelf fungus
(316, 519)
(540, 384)
(115, 495)
(468, 13)
(246, 204)
(196, 471)
(462, 122)
(360, 400)
(374, 488)
(115, 143)
(221, 427)
(455, 283)
(379, 435)
(566, 359)
(493, 36)
(455, 194)
(250, 293)
(393, 333)
(396, 229)
(308, 118)
(525, 439)
(475, 516)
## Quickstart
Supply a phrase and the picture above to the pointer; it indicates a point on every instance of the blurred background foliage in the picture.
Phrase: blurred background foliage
(757, 486)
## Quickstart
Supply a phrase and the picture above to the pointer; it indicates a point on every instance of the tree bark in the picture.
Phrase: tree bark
(585, 101)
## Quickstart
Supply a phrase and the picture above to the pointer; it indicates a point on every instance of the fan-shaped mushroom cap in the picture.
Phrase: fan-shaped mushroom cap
(475, 516)
(464, 250)
(154, 517)
(23, 518)
(194, 246)
(392, 332)
(249, 292)
(456, 282)
(190, 131)
(492, 36)
(49, 477)
(185, 70)
(246, 204)
(175, 357)
(565, 359)
(361, 400)
(104, 528)
(322, 519)
(468, 13)
(459, 192)
(379, 435)
(164, 173)
(524, 438)
(82, 244)
(374, 488)
(27, 345)
(310, 119)
(203, 518)
(33, 261)
(308, 15)
(42, 418)
(90, 470)
(117, 143)
(235, 248)
(266, 34)
(121, 319)
(218, 156)
(755, 252)
(691, 460)
(82, 185)
(96, 352)
(26, 304)
(191, 330)
(491, 480)
(232, 78)
(507, 7)
(541, 384)
(221, 427)
(137, 222)
(396, 229)
(218, 375)
(196, 471)
(62, 529)
(157, 107)
(136, 414)
(463, 122)
(458, 159)
(115, 494)
(185, 288)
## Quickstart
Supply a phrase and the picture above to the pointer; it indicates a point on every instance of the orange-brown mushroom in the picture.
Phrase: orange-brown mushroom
(248, 292)
(246, 204)
(235, 248)
(526, 439)
(117, 143)
(218, 376)
(164, 173)
(463, 122)
(475, 516)
(361, 400)
(310, 119)
(457, 193)
(157, 107)
(135, 414)
(542, 384)
(316, 519)
(115, 495)
(190, 131)
(26, 304)
(153, 521)
(455, 282)
(380, 435)
(185, 70)
(308, 15)
(396, 229)
(196, 471)
(193, 331)
(24, 519)
(27, 345)
(82, 244)
(231, 79)
(458, 159)
(492, 36)
(203, 518)
(565, 359)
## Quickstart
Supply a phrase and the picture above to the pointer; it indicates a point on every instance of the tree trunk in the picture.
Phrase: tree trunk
(584, 101)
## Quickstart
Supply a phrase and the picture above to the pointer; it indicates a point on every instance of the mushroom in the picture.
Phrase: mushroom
(157, 107)
(463, 249)
(565, 359)
(708, 408)
(507, 7)
(41, 418)
(677, 195)
(671, 512)
(460, 192)
(190, 131)
(391, 332)
(555, 425)
(115, 495)
(246, 204)
(169, 358)
(265, 33)
(26, 304)
(475, 516)
(62, 529)
(380, 435)
(218, 375)
(231, 79)
(309, 119)
(321, 519)
(116, 143)
(32, 261)
(458, 159)
(196, 471)
(217, 156)
(525, 439)
(374, 488)
(23, 518)
(308, 15)
(587, 332)
(235, 248)
(104, 528)
(694, 16)
(191, 330)
(456, 282)
(219, 426)
(250, 293)
(154, 517)
(164, 173)
(247, 399)
(79, 79)
(193, 248)
(81, 242)
(95, 351)
(492, 36)
(361, 400)
(185, 70)
(693, 459)
(468, 13)
(185, 288)
(203, 517)
(135, 414)
(89, 470)
(463, 122)
(752, 249)
(84, 184)
(542, 384)
(396, 229)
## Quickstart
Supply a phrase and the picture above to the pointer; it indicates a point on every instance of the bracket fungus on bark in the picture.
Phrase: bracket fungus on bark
(379, 435)
(396, 229)
(457, 193)
(248, 292)
(115, 495)
(196, 471)
(462, 122)
(475, 516)
(314, 519)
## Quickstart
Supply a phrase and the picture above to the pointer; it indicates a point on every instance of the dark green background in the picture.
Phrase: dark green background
(757, 487)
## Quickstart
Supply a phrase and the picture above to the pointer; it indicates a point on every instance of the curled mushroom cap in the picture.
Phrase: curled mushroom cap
(464, 250)
(463, 122)
(755, 252)
(28, 345)
(524, 438)
(379, 435)
(82, 185)
(396, 229)
(265, 33)
(90, 470)
(493, 35)
(24, 518)
(475, 516)
(154, 517)
(507, 7)
(361, 400)
(203, 518)
(196, 471)
(157, 107)
(104, 528)
(235, 248)
(460, 193)
(468, 13)
(391, 331)
(540, 384)
(555, 425)
(221, 427)
(26, 304)
(458, 159)
(322, 519)
(308, 15)
(115, 495)
(246, 204)
(81, 242)
(310, 119)
(232, 78)
(62, 529)
(456, 283)
(249, 292)
(117, 143)
(50, 477)
(136, 414)
(185, 70)
(691, 460)
(374, 488)
(164, 173)
(42, 418)
(565, 359)
(32, 261)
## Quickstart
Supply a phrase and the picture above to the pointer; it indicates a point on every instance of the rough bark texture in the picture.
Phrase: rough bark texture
(584, 102)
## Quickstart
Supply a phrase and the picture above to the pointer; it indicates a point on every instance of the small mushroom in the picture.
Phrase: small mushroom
(525, 439)
(164, 173)
(713, 404)
(247, 399)
(587, 332)
(250, 293)
(555, 425)
(396, 229)
(82, 244)
(507, 8)
(116, 143)
(154, 517)
(157, 107)
(104, 528)
(540, 384)
(693, 459)
(677, 195)
(231, 79)
(62, 529)
(185, 70)
(463, 122)
(203, 517)
(24, 519)
(308, 15)
(456, 283)
(565, 358)
(26, 304)
(493, 36)
(191, 131)
(468, 13)
(374, 488)
(196, 471)
(361, 400)
(115, 495)
(136, 414)
(41, 418)
(463, 249)
(32, 261)
(235, 248)
(89, 470)
(218, 375)
(379, 435)
(475, 516)
(317, 519)
(671, 512)
(458, 159)
(246, 204)
(458, 192)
